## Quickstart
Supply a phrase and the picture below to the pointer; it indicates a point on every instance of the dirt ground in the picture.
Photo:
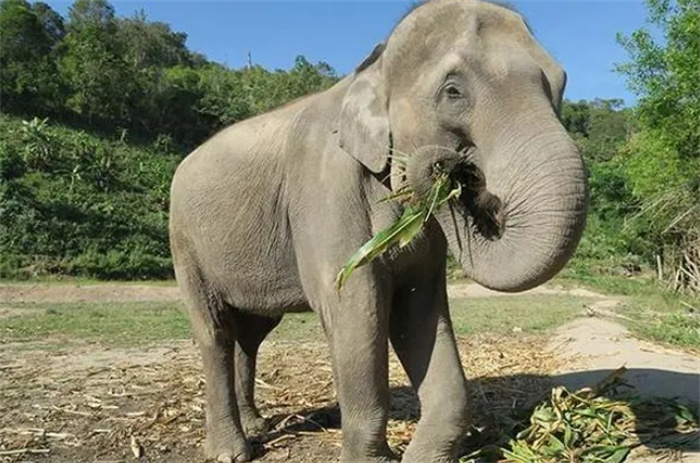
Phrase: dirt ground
(59, 293)
(87, 403)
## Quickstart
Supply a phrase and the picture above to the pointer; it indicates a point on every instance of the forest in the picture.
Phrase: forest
(98, 110)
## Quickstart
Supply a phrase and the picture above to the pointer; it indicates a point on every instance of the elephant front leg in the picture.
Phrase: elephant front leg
(422, 336)
(361, 376)
(357, 330)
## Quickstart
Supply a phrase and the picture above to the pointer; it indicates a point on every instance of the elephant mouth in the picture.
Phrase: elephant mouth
(486, 210)
(479, 210)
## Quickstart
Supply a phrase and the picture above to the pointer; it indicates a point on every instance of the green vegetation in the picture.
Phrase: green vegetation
(128, 75)
(97, 111)
(503, 315)
(662, 159)
(112, 324)
(645, 162)
(125, 324)
(73, 203)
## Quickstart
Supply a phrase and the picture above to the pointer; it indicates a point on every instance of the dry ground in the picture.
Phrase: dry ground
(81, 401)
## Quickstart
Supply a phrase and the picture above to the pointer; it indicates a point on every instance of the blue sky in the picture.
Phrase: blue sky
(578, 33)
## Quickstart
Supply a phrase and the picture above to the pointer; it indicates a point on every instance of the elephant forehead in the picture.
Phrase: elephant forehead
(438, 19)
(471, 29)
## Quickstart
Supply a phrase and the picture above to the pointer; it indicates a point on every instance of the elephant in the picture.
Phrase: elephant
(265, 213)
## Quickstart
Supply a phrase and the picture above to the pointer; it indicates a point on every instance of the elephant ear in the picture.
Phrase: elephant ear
(364, 117)
(559, 87)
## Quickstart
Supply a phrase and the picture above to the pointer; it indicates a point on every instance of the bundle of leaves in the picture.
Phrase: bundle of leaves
(401, 233)
(594, 425)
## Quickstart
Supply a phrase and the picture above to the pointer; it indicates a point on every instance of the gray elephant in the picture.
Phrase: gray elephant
(265, 213)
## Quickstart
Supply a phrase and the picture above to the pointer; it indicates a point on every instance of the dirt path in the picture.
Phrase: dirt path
(88, 403)
(72, 293)
(593, 347)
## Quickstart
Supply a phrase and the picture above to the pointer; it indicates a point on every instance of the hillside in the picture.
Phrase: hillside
(77, 204)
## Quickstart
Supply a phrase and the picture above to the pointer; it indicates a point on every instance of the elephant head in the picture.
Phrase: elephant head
(464, 83)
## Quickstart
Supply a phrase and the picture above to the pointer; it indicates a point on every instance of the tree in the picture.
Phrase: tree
(27, 43)
(93, 66)
(54, 26)
(667, 76)
(600, 128)
(151, 44)
(89, 14)
(575, 118)
(306, 77)
(224, 97)
(149, 51)
(609, 127)
(662, 161)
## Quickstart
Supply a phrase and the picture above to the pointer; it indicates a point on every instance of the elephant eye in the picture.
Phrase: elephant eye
(452, 91)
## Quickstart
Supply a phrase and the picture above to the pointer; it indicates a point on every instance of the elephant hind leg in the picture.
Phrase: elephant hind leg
(214, 327)
(252, 331)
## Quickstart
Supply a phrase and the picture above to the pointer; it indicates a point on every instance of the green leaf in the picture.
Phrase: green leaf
(412, 229)
(406, 229)
(401, 231)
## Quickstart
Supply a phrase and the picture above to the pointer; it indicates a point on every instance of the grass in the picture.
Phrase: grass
(129, 324)
(612, 285)
(678, 328)
(502, 315)
(648, 310)
(122, 324)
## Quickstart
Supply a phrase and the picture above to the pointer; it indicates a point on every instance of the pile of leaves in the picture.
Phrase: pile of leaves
(597, 425)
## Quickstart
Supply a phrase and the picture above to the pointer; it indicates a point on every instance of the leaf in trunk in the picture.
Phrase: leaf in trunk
(406, 229)
(403, 231)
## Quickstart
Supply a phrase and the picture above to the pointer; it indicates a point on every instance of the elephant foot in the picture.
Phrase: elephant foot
(438, 460)
(414, 455)
(390, 457)
(254, 426)
(228, 451)
(374, 460)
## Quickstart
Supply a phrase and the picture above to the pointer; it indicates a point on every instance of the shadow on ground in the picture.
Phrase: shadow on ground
(499, 415)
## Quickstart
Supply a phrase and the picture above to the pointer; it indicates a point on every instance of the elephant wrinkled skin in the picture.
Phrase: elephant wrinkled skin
(265, 213)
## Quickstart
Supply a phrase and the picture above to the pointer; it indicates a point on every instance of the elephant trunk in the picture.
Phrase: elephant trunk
(523, 205)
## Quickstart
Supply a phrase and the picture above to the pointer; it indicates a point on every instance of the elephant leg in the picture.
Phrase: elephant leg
(214, 330)
(357, 331)
(252, 330)
(362, 384)
(422, 337)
